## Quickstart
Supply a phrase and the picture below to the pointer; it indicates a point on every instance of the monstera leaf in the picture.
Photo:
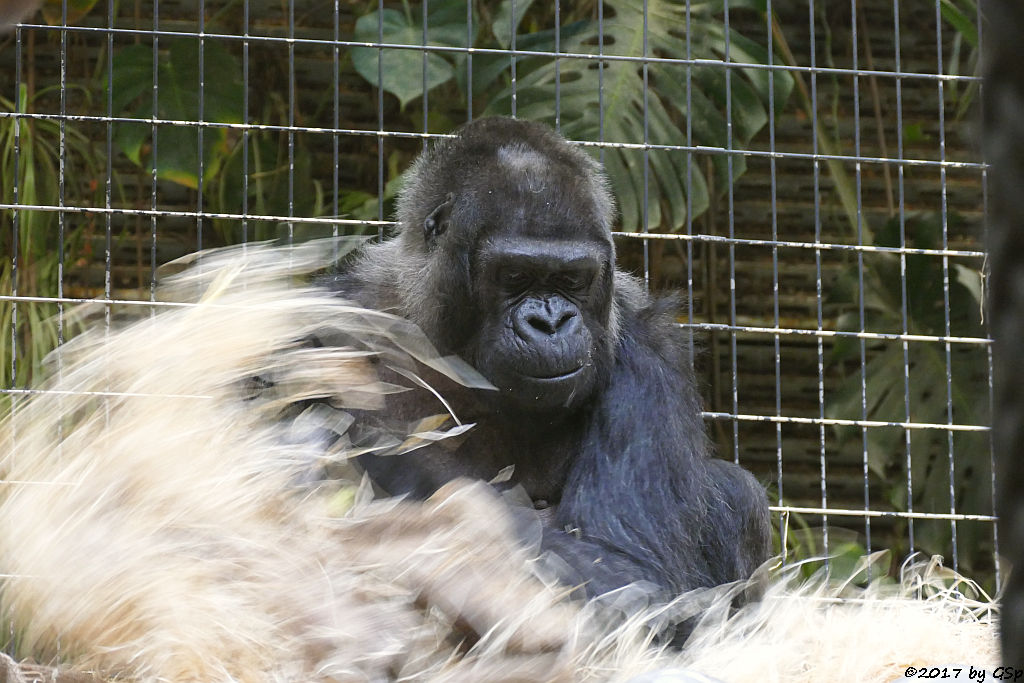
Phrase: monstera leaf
(657, 111)
(923, 386)
(721, 106)
(402, 71)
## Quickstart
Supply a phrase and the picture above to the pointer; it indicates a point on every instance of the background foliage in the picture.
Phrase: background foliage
(604, 92)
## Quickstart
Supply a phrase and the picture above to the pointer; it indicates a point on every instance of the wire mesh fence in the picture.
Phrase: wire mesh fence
(803, 172)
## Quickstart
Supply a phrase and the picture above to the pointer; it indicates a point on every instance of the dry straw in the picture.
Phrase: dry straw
(160, 520)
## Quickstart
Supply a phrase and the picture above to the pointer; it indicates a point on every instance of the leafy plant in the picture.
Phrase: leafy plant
(35, 244)
(221, 156)
(364, 206)
(401, 70)
(914, 388)
(178, 78)
(268, 167)
(663, 105)
(963, 57)
(55, 11)
(888, 395)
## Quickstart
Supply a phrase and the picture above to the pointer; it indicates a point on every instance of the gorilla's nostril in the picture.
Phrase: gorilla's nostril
(545, 325)
(550, 324)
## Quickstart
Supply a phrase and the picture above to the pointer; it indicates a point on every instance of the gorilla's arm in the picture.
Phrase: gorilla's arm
(643, 492)
(596, 566)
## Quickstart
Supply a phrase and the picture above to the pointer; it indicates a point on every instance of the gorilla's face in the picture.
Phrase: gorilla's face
(542, 338)
(541, 266)
(513, 226)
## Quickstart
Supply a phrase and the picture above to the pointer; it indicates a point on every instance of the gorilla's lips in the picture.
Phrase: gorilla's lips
(556, 376)
(547, 363)
(507, 359)
(549, 388)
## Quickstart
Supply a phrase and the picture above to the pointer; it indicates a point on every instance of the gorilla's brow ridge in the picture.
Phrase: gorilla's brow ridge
(566, 252)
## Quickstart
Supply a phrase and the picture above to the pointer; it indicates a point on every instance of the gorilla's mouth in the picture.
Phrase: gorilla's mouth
(556, 376)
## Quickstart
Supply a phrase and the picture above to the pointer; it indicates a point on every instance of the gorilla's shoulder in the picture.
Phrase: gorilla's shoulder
(649, 321)
(373, 275)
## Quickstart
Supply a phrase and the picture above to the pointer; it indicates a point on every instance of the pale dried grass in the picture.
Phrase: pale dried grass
(154, 525)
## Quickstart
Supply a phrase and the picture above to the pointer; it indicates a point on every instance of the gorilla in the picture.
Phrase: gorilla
(504, 257)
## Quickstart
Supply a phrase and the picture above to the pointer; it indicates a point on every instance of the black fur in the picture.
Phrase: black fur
(504, 256)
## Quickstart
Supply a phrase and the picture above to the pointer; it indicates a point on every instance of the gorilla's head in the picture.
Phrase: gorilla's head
(510, 228)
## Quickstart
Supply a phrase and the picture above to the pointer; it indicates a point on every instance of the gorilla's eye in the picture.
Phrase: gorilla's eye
(573, 280)
(513, 280)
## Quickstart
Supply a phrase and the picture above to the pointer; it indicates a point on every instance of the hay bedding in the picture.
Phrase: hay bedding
(158, 523)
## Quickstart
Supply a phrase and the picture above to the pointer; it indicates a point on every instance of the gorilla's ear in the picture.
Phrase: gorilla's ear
(437, 221)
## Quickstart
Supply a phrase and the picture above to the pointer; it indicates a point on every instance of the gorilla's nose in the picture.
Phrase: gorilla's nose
(540, 320)
(550, 324)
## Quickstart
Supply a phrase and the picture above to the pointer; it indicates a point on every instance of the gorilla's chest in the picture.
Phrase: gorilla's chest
(508, 452)
(536, 455)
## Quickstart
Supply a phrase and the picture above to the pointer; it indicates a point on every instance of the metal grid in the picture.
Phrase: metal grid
(770, 360)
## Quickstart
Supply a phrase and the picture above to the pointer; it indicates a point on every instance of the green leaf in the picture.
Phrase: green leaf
(502, 26)
(178, 154)
(748, 114)
(401, 71)
(886, 449)
(914, 133)
(707, 123)
(132, 75)
(963, 23)
(178, 83)
(446, 25)
(131, 137)
(743, 49)
(53, 11)
(672, 181)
